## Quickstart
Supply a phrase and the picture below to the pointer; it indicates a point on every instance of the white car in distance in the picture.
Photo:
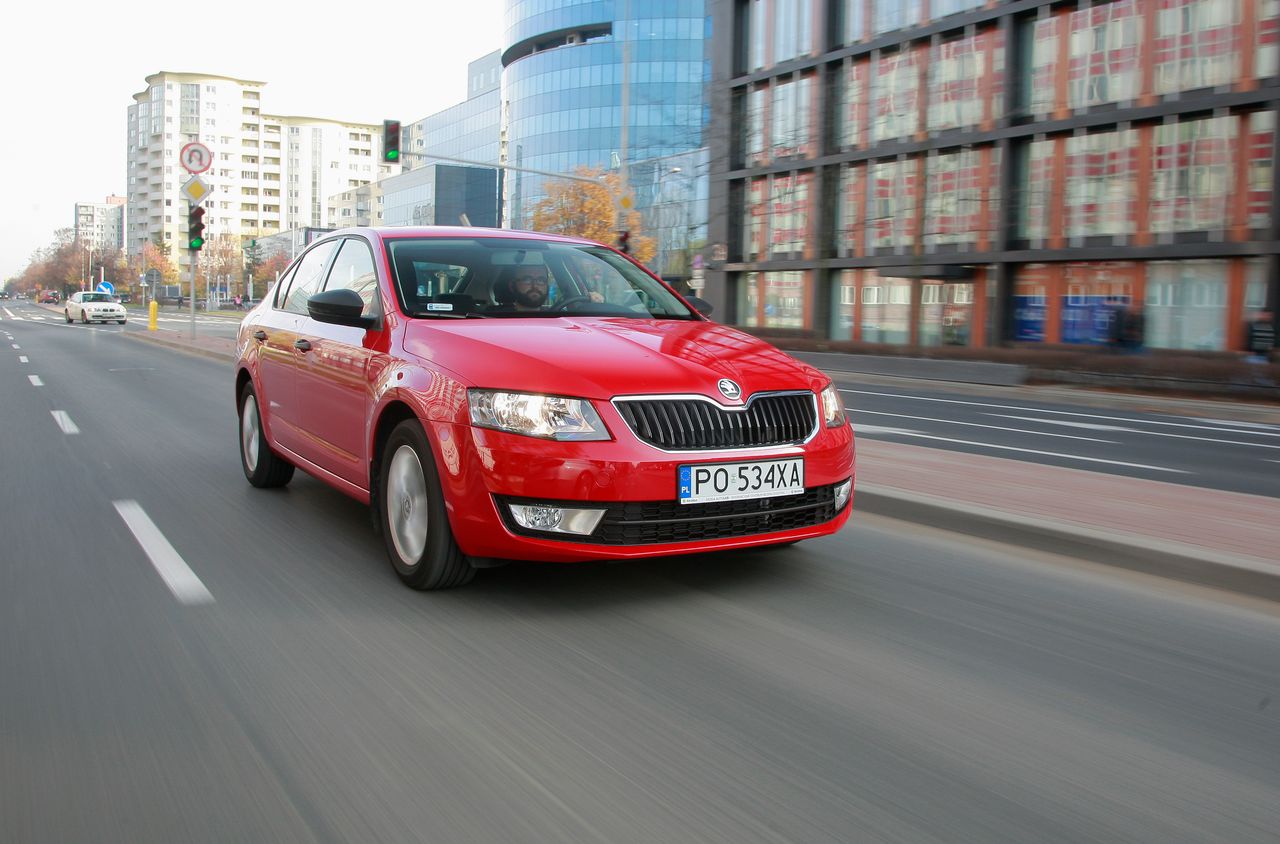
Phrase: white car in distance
(93, 307)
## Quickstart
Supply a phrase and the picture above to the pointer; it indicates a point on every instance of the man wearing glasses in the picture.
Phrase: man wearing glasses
(529, 287)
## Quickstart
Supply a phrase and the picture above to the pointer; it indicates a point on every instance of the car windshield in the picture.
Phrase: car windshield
(510, 277)
(95, 297)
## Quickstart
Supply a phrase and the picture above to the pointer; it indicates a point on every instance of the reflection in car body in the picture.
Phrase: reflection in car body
(613, 422)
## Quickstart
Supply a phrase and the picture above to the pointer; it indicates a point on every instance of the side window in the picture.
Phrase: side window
(281, 288)
(307, 278)
(354, 270)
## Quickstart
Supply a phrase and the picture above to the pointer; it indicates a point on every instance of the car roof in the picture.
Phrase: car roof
(383, 233)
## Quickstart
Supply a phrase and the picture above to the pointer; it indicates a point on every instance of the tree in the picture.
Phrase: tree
(265, 275)
(221, 262)
(590, 210)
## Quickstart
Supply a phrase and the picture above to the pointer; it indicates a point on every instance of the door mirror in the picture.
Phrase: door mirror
(700, 305)
(340, 307)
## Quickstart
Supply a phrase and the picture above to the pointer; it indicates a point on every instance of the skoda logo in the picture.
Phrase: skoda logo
(729, 389)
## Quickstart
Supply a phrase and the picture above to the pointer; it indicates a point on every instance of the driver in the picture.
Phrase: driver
(529, 288)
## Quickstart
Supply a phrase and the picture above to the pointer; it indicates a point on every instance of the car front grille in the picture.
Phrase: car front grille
(658, 522)
(687, 424)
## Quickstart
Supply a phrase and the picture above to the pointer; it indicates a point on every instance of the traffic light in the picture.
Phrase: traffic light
(624, 242)
(391, 140)
(195, 228)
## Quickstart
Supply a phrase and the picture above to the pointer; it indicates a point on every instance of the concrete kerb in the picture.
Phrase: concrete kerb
(182, 345)
(1174, 560)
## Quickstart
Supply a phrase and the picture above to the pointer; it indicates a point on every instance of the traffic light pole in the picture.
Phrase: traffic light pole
(195, 253)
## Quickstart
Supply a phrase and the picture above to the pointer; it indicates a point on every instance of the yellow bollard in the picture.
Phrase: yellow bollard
(152, 312)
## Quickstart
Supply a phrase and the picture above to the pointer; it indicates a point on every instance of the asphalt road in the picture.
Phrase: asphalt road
(886, 684)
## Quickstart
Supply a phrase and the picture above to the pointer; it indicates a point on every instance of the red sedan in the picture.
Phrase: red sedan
(499, 395)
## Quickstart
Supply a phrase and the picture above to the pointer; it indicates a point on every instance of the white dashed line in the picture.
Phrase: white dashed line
(35, 380)
(16, 346)
(22, 358)
(979, 425)
(168, 563)
(64, 422)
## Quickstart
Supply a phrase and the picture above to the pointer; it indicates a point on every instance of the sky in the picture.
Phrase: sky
(70, 71)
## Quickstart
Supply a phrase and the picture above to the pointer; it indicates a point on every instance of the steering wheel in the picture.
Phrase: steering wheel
(572, 300)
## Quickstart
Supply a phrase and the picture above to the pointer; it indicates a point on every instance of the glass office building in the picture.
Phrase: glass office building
(564, 83)
(927, 172)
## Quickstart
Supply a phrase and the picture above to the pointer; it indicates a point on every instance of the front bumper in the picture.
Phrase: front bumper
(484, 471)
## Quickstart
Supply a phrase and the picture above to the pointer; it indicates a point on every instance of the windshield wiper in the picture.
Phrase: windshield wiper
(445, 315)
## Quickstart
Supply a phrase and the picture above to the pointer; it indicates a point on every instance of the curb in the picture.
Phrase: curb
(1174, 560)
(183, 346)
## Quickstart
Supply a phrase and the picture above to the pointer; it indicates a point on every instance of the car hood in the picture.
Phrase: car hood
(602, 358)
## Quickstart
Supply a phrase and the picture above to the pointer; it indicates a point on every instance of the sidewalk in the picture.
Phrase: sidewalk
(1222, 539)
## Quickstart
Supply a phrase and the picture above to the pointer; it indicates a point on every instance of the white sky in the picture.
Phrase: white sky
(70, 70)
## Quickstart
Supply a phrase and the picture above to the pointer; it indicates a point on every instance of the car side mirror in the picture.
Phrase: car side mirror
(700, 305)
(340, 307)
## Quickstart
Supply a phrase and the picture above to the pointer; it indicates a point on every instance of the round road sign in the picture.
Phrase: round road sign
(195, 157)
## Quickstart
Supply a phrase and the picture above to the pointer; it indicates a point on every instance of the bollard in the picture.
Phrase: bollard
(152, 311)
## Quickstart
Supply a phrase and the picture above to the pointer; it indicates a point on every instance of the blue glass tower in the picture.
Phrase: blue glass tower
(563, 87)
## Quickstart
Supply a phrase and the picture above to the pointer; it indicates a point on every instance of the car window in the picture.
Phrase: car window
(94, 297)
(307, 277)
(353, 269)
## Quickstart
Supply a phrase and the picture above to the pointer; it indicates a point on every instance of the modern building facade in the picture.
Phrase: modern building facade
(269, 173)
(100, 225)
(443, 195)
(470, 130)
(600, 84)
(925, 172)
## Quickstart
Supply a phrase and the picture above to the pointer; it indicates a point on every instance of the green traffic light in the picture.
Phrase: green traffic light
(393, 154)
(196, 243)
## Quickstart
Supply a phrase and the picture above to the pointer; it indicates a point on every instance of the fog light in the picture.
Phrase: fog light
(544, 517)
(842, 494)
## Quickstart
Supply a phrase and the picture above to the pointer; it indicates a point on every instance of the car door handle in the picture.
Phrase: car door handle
(260, 335)
(302, 346)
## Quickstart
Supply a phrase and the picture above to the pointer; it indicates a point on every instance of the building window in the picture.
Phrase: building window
(1255, 288)
(789, 214)
(1196, 44)
(955, 83)
(891, 198)
(1103, 63)
(843, 304)
(1262, 130)
(954, 198)
(886, 313)
(755, 220)
(852, 195)
(1192, 174)
(753, 128)
(1101, 183)
(1029, 302)
(792, 29)
(1035, 178)
(1038, 79)
(1267, 58)
(749, 300)
(895, 92)
(1186, 305)
(852, 115)
(895, 14)
(853, 20)
(792, 134)
(1096, 293)
(756, 33)
(942, 8)
(784, 299)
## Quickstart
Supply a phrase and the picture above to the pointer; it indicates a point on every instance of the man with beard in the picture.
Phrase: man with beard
(528, 287)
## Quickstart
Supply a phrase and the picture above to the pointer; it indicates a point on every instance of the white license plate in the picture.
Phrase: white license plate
(701, 483)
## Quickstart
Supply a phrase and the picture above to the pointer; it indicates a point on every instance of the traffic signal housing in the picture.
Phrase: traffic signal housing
(391, 140)
(624, 242)
(195, 228)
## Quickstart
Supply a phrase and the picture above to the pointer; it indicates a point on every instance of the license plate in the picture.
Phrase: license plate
(702, 483)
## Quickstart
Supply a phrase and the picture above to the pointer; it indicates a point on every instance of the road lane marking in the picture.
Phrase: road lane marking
(1257, 426)
(35, 380)
(64, 422)
(22, 358)
(1028, 409)
(1140, 431)
(175, 572)
(1091, 426)
(905, 433)
(980, 425)
(16, 346)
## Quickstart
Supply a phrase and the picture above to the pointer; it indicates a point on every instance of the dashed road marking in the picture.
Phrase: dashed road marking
(35, 380)
(168, 563)
(22, 359)
(64, 422)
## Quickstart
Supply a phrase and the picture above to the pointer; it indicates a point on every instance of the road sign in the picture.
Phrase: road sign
(195, 190)
(107, 287)
(195, 157)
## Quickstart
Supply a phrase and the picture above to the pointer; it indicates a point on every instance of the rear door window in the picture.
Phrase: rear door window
(308, 276)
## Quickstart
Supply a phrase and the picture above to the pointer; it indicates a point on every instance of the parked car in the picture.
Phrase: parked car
(4, 294)
(49, 297)
(501, 395)
(89, 307)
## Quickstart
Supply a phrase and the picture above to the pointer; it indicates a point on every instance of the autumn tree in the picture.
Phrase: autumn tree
(589, 209)
(221, 263)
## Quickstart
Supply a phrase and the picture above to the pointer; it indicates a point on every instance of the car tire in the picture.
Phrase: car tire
(262, 467)
(122, 321)
(411, 512)
(84, 317)
(67, 314)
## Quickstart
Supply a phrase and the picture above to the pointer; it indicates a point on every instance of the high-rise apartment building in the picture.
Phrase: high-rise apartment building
(100, 225)
(269, 173)
(925, 172)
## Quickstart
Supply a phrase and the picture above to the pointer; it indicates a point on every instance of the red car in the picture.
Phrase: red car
(499, 395)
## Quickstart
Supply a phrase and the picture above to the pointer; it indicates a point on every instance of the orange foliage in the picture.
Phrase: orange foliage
(590, 210)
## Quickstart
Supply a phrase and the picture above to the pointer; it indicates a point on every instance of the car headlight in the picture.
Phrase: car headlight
(832, 407)
(535, 415)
